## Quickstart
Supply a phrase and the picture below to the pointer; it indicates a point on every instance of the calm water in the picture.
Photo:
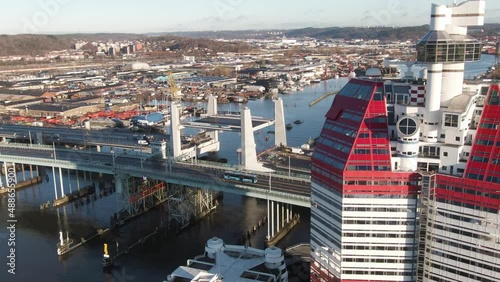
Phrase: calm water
(38, 233)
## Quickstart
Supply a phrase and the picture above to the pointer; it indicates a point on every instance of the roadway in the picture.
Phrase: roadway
(154, 167)
(110, 137)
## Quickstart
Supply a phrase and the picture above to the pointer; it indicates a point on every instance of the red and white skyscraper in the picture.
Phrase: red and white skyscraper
(406, 174)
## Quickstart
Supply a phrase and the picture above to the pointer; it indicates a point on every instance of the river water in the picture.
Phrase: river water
(37, 233)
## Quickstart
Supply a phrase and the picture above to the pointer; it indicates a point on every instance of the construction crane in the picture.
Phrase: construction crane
(173, 88)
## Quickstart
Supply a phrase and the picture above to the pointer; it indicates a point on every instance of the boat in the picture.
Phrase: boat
(316, 81)
(289, 126)
(298, 121)
(107, 261)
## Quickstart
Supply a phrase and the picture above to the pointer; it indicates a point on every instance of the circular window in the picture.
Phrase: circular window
(407, 126)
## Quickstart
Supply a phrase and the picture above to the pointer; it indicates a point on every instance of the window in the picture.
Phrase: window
(451, 120)
(445, 154)
(457, 139)
(442, 136)
(494, 98)
(407, 126)
(444, 168)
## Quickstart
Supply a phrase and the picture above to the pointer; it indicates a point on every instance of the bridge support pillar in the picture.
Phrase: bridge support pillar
(22, 169)
(272, 219)
(31, 172)
(98, 148)
(77, 181)
(4, 139)
(6, 173)
(175, 130)
(61, 182)
(212, 106)
(288, 213)
(278, 226)
(268, 222)
(55, 181)
(14, 171)
(279, 123)
(69, 183)
(283, 215)
(248, 147)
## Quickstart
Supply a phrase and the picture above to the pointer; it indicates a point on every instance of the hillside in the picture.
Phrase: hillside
(14, 45)
(31, 44)
(382, 33)
(41, 44)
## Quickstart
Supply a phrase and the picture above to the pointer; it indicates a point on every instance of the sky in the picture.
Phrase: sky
(134, 16)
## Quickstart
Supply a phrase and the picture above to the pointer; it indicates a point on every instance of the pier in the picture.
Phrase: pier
(22, 184)
(281, 233)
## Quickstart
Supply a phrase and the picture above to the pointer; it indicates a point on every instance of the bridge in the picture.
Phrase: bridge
(280, 187)
(165, 176)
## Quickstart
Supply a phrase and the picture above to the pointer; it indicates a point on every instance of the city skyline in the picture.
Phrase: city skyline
(69, 16)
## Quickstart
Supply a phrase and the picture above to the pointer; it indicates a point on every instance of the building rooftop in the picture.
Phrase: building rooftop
(233, 263)
(459, 103)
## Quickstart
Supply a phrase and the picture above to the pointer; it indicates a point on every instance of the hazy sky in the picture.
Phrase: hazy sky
(135, 16)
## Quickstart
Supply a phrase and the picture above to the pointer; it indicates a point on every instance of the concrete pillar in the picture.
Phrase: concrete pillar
(22, 169)
(37, 172)
(54, 180)
(288, 213)
(248, 147)
(69, 181)
(31, 171)
(84, 177)
(268, 222)
(98, 148)
(279, 123)
(175, 130)
(6, 173)
(4, 139)
(1, 182)
(272, 219)
(61, 182)
(212, 106)
(15, 172)
(283, 215)
(278, 226)
(77, 181)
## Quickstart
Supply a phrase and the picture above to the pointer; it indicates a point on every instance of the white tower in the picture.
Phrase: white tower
(445, 49)
(279, 123)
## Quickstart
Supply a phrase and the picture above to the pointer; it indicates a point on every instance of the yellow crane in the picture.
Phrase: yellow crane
(173, 88)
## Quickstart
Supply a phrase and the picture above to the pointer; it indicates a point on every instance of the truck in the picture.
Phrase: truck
(296, 150)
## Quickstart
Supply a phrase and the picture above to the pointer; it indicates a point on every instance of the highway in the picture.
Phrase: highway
(112, 136)
(156, 166)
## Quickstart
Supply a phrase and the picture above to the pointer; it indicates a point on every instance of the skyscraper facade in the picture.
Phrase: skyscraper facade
(406, 173)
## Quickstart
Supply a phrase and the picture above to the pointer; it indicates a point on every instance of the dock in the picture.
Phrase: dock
(22, 184)
(77, 195)
(283, 232)
(322, 97)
